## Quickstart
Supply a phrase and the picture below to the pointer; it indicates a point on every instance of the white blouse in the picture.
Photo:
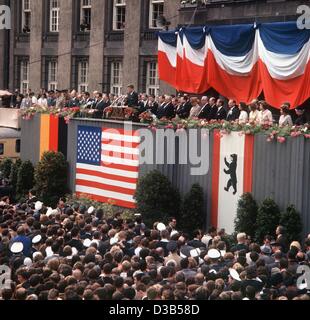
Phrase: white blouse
(266, 117)
(244, 117)
(285, 121)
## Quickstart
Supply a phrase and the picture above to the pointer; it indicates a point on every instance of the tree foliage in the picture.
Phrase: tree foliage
(193, 216)
(25, 180)
(156, 198)
(291, 221)
(268, 219)
(51, 177)
(246, 215)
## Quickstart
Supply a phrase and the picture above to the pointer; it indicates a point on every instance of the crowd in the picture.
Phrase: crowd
(165, 106)
(74, 253)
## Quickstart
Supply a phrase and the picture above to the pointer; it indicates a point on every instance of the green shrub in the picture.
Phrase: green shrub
(291, 221)
(25, 179)
(51, 178)
(268, 219)
(156, 198)
(193, 216)
(246, 215)
(14, 175)
(5, 167)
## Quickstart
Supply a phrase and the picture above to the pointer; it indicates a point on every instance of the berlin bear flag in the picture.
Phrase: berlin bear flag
(231, 176)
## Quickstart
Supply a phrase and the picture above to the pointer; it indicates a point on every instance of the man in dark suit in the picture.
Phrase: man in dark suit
(196, 242)
(132, 97)
(221, 112)
(143, 103)
(74, 101)
(101, 105)
(282, 239)
(152, 104)
(166, 110)
(206, 108)
(213, 110)
(234, 112)
(184, 109)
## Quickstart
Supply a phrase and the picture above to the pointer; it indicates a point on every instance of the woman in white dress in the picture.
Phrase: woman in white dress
(285, 118)
(265, 114)
(43, 100)
(244, 116)
(196, 108)
(254, 114)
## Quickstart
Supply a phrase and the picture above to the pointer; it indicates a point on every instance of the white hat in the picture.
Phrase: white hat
(87, 243)
(91, 210)
(234, 274)
(27, 262)
(35, 254)
(37, 239)
(161, 227)
(38, 205)
(17, 247)
(173, 233)
(214, 254)
(49, 212)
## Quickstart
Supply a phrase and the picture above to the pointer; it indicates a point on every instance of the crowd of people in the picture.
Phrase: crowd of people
(74, 253)
(164, 106)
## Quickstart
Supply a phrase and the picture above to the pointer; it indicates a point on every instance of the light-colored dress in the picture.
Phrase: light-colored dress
(285, 121)
(244, 117)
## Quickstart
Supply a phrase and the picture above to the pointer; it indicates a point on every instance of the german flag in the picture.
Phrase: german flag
(53, 134)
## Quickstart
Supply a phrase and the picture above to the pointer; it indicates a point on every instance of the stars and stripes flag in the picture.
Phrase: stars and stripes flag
(108, 165)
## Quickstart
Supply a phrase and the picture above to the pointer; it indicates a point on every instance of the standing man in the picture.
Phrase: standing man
(132, 97)
(221, 112)
(234, 112)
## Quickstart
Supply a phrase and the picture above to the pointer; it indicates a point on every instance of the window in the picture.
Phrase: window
(17, 146)
(26, 16)
(156, 10)
(1, 149)
(24, 76)
(152, 81)
(119, 14)
(54, 15)
(116, 78)
(52, 75)
(85, 15)
(83, 76)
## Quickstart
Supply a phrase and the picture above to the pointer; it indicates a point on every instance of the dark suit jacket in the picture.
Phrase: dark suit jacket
(100, 107)
(184, 110)
(133, 100)
(234, 115)
(196, 244)
(205, 112)
(153, 107)
(213, 113)
(166, 111)
(221, 114)
(74, 103)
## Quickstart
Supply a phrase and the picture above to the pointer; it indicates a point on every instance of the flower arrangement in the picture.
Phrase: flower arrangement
(146, 117)
(273, 132)
(66, 113)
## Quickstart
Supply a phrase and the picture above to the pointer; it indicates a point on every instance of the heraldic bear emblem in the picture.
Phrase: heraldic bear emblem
(232, 172)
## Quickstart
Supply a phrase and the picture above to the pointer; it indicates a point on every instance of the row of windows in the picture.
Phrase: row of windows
(119, 14)
(116, 78)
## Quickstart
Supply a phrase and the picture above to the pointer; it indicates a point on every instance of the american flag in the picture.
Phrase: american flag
(108, 165)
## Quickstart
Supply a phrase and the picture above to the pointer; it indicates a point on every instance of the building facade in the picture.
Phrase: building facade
(106, 44)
